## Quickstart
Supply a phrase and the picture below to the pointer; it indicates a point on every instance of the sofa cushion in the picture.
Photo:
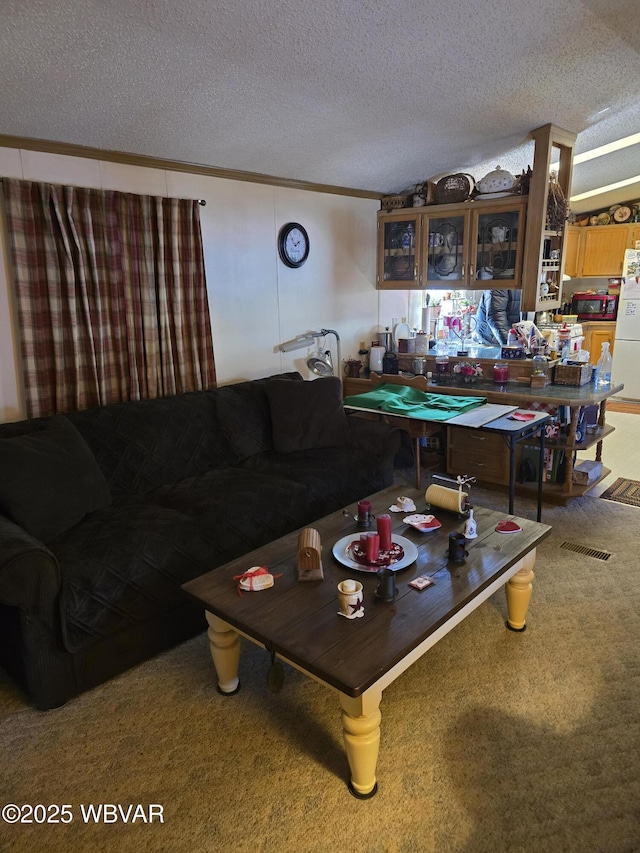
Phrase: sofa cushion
(332, 476)
(122, 565)
(143, 444)
(307, 415)
(50, 479)
(243, 412)
(238, 510)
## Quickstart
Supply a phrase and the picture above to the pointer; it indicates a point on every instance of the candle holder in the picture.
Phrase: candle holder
(350, 599)
(364, 514)
(386, 588)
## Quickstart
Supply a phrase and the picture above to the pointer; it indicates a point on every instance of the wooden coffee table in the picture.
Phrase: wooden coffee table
(358, 658)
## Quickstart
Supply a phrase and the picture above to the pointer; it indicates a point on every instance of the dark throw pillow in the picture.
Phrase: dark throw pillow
(49, 479)
(307, 415)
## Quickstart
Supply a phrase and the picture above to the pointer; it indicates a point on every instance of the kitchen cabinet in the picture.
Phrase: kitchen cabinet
(399, 236)
(603, 251)
(484, 243)
(595, 334)
(446, 246)
(597, 250)
(572, 251)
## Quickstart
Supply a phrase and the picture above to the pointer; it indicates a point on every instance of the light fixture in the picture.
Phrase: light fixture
(320, 363)
(609, 188)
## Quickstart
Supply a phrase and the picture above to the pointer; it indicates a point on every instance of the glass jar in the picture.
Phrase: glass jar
(538, 365)
(422, 343)
(501, 372)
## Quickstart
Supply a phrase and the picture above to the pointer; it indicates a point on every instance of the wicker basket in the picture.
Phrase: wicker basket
(572, 374)
(393, 202)
(454, 188)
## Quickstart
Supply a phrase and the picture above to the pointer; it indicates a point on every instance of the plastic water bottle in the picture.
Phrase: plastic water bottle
(442, 361)
(603, 370)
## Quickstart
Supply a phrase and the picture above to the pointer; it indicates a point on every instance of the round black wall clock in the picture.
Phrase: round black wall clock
(293, 244)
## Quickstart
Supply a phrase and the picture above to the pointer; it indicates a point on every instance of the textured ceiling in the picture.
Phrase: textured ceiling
(351, 93)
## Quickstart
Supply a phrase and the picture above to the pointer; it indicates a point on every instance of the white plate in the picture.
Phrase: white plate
(423, 523)
(341, 555)
(502, 194)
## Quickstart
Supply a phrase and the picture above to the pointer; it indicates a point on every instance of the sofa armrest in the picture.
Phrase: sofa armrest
(29, 572)
(376, 437)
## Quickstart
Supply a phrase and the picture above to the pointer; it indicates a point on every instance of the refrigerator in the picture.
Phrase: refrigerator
(626, 350)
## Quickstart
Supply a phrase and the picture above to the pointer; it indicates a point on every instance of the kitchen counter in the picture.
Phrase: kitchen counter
(517, 394)
(514, 392)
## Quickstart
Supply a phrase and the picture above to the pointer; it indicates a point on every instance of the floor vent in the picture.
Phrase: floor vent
(588, 552)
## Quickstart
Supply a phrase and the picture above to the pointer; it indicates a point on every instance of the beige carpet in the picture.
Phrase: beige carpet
(494, 741)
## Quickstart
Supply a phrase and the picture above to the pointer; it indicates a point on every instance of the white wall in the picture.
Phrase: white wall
(255, 301)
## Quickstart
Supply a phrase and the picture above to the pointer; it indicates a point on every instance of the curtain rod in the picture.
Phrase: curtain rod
(201, 201)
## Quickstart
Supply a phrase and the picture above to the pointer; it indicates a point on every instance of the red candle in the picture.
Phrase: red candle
(384, 530)
(373, 547)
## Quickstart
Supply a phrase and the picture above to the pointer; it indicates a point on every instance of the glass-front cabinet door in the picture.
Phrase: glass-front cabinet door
(499, 239)
(445, 248)
(471, 245)
(398, 250)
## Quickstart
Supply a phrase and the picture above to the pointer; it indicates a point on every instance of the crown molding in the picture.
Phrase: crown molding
(71, 150)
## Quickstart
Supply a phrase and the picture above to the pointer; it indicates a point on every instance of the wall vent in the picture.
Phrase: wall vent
(588, 552)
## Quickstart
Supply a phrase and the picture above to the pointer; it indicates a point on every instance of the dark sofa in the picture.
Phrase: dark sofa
(104, 513)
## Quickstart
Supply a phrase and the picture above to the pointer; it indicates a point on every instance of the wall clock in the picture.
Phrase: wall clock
(293, 244)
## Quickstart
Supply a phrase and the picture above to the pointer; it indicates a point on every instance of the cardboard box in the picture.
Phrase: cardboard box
(586, 472)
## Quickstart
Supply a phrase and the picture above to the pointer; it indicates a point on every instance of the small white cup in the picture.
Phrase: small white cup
(350, 599)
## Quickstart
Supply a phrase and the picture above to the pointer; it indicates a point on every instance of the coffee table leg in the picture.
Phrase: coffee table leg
(224, 644)
(519, 590)
(361, 731)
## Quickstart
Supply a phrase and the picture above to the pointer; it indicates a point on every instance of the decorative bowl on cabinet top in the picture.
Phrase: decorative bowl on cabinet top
(499, 180)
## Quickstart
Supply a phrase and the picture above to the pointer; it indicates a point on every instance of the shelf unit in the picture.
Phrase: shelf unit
(561, 492)
(551, 142)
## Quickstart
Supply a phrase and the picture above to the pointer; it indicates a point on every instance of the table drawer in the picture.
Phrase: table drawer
(476, 441)
(478, 454)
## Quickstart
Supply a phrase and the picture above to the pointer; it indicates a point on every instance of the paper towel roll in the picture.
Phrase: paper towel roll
(452, 499)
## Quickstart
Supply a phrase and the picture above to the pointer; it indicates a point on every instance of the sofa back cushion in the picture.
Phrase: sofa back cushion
(245, 416)
(49, 478)
(307, 415)
(143, 444)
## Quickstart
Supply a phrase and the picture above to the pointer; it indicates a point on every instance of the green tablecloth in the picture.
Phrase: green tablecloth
(404, 400)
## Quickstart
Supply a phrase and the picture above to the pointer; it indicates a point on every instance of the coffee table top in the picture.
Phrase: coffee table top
(300, 622)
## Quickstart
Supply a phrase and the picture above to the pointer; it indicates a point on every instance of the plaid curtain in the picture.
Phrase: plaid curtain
(111, 295)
